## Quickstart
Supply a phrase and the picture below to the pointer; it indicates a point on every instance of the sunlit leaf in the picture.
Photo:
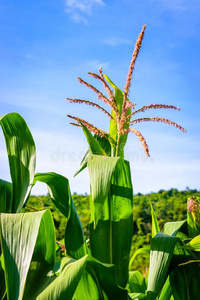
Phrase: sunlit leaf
(94, 145)
(21, 155)
(194, 244)
(155, 226)
(25, 239)
(166, 292)
(111, 239)
(137, 282)
(171, 228)
(137, 252)
(64, 286)
(162, 248)
(60, 194)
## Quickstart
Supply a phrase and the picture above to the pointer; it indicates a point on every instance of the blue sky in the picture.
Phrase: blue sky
(46, 45)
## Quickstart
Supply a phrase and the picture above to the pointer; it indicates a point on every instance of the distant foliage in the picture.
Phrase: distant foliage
(169, 205)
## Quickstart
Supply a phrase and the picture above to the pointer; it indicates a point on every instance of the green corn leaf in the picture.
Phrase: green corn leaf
(64, 286)
(21, 155)
(58, 187)
(84, 161)
(2, 279)
(94, 145)
(137, 252)
(184, 280)
(166, 292)
(162, 248)
(110, 239)
(6, 189)
(137, 282)
(194, 244)
(155, 226)
(84, 279)
(104, 143)
(101, 169)
(89, 287)
(137, 296)
(106, 278)
(172, 228)
(28, 246)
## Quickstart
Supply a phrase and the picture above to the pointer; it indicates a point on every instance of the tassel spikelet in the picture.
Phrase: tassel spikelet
(141, 138)
(89, 103)
(123, 116)
(132, 65)
(89, 126)
(156, 119)
(100, 95)
(112, 102)
(155, 106)
(130, 73)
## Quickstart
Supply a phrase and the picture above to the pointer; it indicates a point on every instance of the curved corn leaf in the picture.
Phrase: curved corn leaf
(58, 187)
(84, 279)
(101, 169)
(2, 279)
(64, 286)
(21, 155)
(194, 244)
(112, 194)
(89, 287)
(94, 145)
(162, 248)
(6, 198)
(104, 143)
(84, 161)
(166, 292)
(137, 282)
(155, 226)
(107, 279)
(172, 228)
(185, 280)
(137, 252)
(137, 296)
(27, 239)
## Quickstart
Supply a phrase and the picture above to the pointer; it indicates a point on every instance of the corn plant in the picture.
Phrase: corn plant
(98, 269)
(110, 177)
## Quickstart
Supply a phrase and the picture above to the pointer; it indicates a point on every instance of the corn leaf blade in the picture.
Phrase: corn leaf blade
(194, 244)
(64, 286)
(184, 281)
(21, 155)
(155, 226)
(111, 239)
(5, 196)
(60, 194)
(162, 248)
(94, 145)
(137, 282)
(21, 235)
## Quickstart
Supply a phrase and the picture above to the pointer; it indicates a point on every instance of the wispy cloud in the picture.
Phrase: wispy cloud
(78, 9)
(115, 41)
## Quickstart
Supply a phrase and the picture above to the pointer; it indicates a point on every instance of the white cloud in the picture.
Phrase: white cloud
(115, 41)
(78, 8)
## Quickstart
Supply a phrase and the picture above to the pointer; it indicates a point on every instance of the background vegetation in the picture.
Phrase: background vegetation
(169, 205)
